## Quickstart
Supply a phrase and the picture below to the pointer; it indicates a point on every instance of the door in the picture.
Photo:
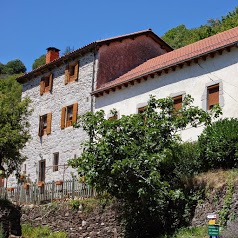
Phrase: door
(41, 170)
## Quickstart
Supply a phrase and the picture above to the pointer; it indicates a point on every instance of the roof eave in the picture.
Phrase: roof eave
(109, 88)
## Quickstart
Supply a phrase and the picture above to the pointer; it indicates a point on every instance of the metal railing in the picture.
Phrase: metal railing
(37, 193)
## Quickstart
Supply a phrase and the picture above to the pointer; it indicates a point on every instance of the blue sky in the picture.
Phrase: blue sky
(28, 27)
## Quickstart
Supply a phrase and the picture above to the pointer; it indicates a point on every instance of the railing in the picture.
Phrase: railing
(47, 192)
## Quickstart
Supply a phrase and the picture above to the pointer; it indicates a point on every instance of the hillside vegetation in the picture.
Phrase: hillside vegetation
(180, 36)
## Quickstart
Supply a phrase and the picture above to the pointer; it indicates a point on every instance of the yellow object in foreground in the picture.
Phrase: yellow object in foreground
(212, 222)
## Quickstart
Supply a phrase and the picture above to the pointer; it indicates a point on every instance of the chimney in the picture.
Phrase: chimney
(52, 54)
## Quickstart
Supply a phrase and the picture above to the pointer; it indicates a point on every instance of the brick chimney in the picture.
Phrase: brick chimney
(52, 54)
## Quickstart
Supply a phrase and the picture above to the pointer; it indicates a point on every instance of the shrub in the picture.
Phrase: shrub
(218, 145)
(188, 162)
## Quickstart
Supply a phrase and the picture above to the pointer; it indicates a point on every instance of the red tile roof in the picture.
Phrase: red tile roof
(178, 56)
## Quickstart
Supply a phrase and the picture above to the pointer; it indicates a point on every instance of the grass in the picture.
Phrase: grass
(40, 232)
(190, 232)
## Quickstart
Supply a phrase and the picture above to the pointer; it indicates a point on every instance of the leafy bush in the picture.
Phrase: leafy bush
(2, 234)
(218, 145)
(188, 162)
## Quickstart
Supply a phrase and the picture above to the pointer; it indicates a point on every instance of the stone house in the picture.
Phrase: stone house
(61, 90)
(207, 70)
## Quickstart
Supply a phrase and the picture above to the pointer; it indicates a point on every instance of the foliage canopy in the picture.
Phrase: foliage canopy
(180, 36)
(12, 67)
(134, 159)
(218, 144)
(39, 62)
(13, 125)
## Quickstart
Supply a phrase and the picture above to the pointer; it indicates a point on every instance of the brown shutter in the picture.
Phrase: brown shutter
(76, 71)
(75, 112)
(66, 79)
(49, 119)
(178, 102)
(63, 117)
(213, 96)
(42, 87)
(40, 131)
(51, 82)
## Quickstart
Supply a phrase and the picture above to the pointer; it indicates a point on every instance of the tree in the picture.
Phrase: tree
(218, 144)
(14, 67)
(67, 50)
(134, 159)
(180, 36)
(13, 125)
(1, 68)
(39, 62)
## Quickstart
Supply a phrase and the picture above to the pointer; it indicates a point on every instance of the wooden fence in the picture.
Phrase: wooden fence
(47, 192)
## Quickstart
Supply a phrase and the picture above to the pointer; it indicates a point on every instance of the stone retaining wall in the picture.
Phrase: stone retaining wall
(100, 223)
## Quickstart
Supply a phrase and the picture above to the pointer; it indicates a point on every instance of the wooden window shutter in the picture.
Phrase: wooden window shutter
(51, 82)
(40, 131)
(76, 71)
(66, 79)
(49, 119)
(42, 87)
(75, 112)
(178, 102)
(212, 96)
(63, 117)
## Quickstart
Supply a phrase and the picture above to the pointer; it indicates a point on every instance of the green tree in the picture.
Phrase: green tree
(1, 68)
(67, 50)
(180, 36)
(14, 67)
(218, 144)
(134, 159)
(13, 125)
(39, 62)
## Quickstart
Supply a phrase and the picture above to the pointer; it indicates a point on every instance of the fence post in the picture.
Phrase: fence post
(52, 190)
(73, 188)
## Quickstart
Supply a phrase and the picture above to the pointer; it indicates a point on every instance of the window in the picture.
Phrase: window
(71, 73)
(46, 84)
(69, 115)
(41, 170)
(141, 109)
(212, 96)
(112, 118)
(56, 162)
(45, 124)
(178, 100)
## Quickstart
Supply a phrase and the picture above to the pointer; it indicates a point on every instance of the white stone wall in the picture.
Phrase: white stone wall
(65, 141)
(191, 80)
